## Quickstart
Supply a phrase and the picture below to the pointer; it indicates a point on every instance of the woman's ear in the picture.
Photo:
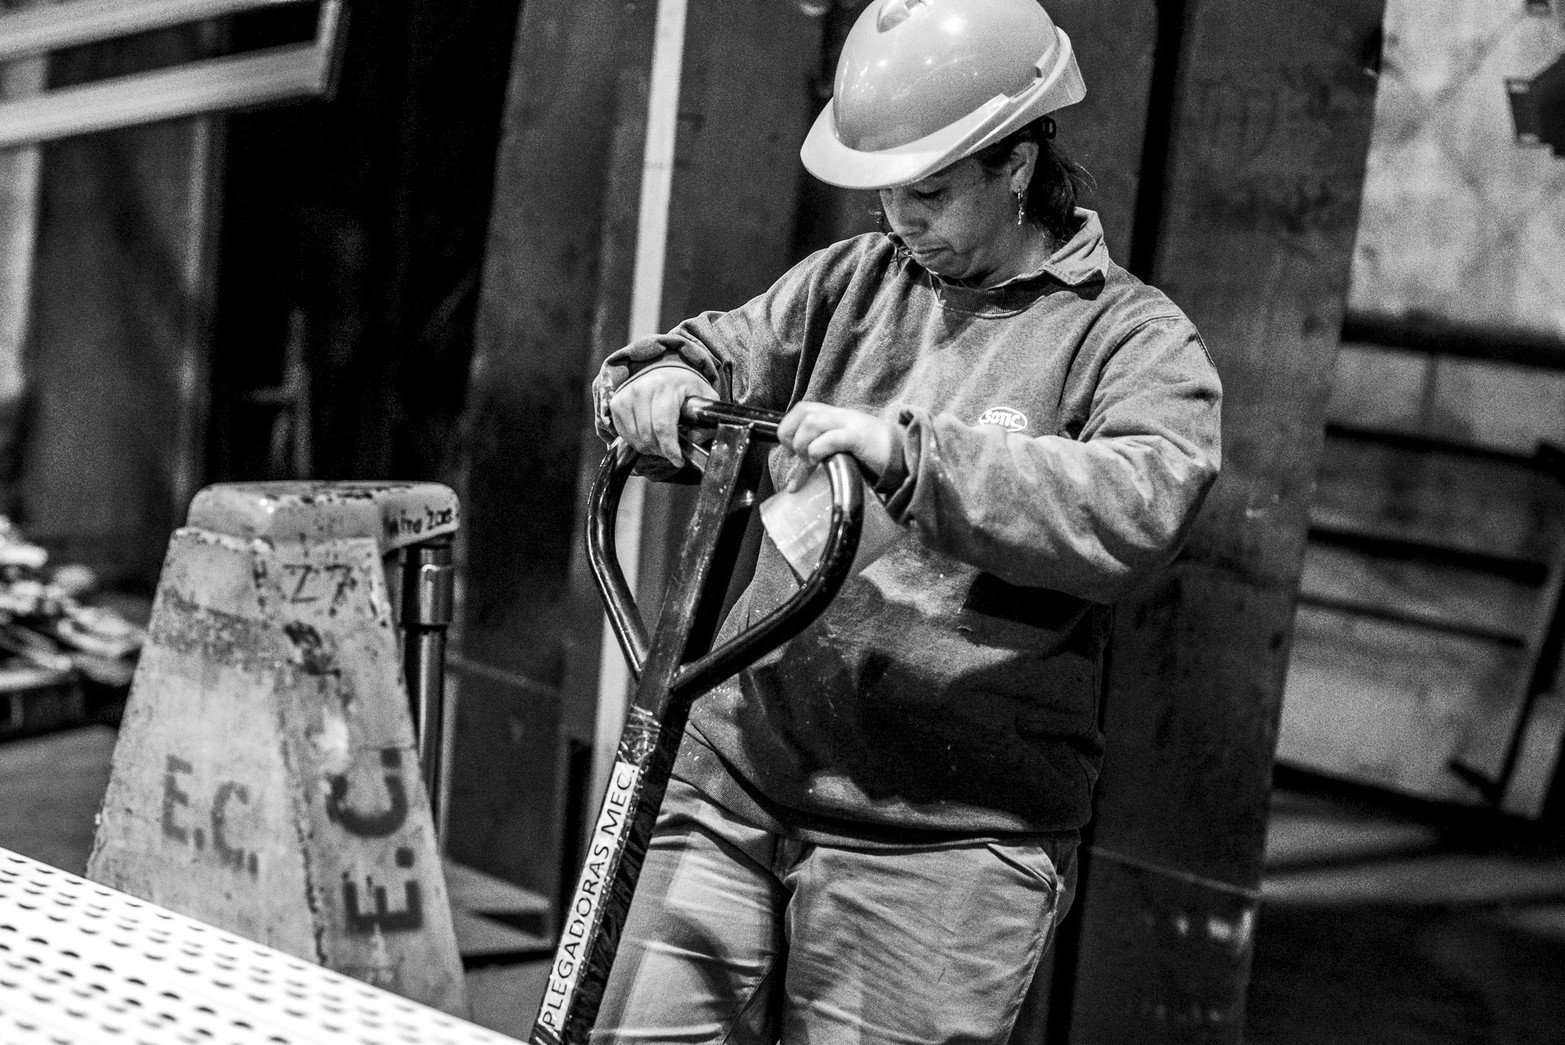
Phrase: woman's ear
(1023, 162)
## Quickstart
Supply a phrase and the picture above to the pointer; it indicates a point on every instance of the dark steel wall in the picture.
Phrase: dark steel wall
(1268, 131)
(358, 225)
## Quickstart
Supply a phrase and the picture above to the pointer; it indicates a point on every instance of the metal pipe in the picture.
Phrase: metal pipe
(428, 594)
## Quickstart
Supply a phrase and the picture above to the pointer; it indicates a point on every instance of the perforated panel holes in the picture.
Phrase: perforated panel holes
(84, 965)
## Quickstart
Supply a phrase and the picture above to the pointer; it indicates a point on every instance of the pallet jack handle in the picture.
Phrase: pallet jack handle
(671, 668)
(783, 623)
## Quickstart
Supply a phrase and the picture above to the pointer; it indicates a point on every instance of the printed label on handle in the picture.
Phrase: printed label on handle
(581, 918)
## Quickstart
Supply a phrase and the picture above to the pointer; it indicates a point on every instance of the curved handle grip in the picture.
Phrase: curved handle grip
(624, 617)
(804, 605)
(777, 627)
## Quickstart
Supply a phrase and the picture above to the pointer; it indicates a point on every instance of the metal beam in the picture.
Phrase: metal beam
(38, 30)
(265, 77)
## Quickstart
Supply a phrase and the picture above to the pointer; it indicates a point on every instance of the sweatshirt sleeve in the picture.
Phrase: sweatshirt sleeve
(758, 354)
(1092, 516)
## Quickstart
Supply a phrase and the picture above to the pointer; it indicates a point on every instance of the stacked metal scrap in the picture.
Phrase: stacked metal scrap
(49, 634)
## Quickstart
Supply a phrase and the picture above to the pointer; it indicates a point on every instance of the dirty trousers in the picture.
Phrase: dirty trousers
(739, 936)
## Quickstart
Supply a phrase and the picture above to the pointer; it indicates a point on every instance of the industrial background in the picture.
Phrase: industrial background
(1333, 807)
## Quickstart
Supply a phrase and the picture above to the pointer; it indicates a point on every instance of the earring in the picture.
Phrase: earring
(1021, 207)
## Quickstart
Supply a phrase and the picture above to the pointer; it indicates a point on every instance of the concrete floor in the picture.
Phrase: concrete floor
(1384, 923)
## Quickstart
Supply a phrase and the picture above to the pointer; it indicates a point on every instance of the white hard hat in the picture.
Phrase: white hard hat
(923, 83)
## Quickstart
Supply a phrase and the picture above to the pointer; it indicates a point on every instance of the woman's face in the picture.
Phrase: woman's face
(961, 222)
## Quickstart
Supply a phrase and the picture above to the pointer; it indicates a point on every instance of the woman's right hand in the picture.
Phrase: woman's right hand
(646, 409)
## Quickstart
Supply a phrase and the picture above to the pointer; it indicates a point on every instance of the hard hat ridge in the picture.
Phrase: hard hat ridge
(922, 83)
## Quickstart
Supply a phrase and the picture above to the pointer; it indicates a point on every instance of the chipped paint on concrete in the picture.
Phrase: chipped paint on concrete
(393, 514)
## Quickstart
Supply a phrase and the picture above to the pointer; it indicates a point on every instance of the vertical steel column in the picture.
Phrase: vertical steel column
(1268, 133)
(428, 594)
(526, 615)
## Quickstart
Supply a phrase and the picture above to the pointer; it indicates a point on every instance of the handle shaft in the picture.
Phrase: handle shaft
(671, 671)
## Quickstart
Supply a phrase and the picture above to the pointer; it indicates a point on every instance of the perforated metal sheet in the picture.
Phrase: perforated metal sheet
(81, 964)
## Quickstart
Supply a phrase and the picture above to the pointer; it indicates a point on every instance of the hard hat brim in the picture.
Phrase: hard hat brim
(825, 156)
(828, 159)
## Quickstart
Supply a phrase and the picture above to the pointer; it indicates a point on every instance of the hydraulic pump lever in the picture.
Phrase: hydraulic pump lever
(671, 669)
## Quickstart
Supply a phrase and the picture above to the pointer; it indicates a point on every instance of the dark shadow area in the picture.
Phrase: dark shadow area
(353, 237)
(1393, 921)
(1403, 975)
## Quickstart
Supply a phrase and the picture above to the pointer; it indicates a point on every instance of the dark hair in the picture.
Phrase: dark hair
(1056, 181)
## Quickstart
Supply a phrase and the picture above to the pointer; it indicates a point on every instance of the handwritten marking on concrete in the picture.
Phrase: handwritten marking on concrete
(309, 583)
(415, 524)
(381, 917)
(175, 799)
(370, 825)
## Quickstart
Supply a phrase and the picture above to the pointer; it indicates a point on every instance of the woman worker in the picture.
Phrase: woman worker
(871, 834)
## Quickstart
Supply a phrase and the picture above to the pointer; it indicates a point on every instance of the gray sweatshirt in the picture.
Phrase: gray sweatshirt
(1058, 434)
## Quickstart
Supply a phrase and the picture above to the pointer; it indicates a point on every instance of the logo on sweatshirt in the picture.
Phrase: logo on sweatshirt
(1005, 417)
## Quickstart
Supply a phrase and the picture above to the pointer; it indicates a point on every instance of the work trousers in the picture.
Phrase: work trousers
(739, 936)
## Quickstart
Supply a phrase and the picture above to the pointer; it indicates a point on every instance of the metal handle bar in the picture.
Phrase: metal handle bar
(667, 682)
(777, 627)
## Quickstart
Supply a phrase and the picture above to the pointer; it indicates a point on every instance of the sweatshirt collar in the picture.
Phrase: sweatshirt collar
(1082, 259)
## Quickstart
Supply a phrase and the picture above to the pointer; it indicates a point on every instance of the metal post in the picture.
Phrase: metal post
(428, 590)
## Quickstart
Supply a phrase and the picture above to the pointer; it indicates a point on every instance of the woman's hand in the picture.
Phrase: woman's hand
(646, 409)
(815, 431)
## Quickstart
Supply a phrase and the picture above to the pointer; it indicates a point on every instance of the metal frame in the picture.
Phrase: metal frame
(276, 74)
(1542, 667)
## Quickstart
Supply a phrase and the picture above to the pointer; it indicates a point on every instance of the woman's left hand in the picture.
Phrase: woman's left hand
(815, 431)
